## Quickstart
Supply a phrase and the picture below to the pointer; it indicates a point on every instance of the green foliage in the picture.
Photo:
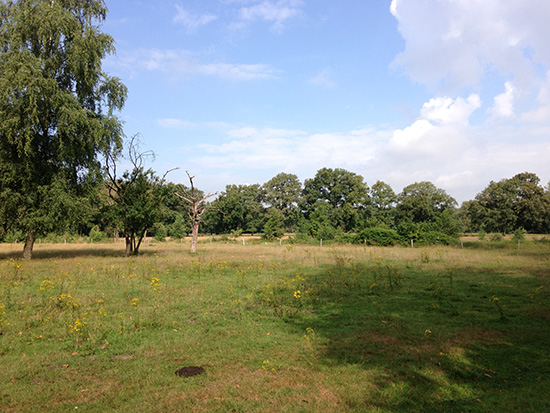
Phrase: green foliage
(339, 195)
(448, 224)
(14, 236)
(174, 212)
(135, 198)
(238, 207)
(283, 192)
(519, 235)
(179, 228)
(57, 107)
(378, 236)
(383, 200)
(96, 235)
(160, 231)
(422, 202)
(504, 206)
(481, 235)
(274, 227)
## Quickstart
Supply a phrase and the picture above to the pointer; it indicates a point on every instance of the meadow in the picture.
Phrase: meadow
(276, 328)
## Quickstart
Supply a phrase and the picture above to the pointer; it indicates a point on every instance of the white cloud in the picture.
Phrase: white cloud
(293, 150)
(178, 63)
(450, 111)
(453, 44)
(275, 12)
(171, 123)
(440, 129)
(323, 79)
(190, 21)
(504, 103)
(461, 159)
(542, 113)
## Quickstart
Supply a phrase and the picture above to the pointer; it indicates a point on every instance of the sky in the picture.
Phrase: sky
(455, 92)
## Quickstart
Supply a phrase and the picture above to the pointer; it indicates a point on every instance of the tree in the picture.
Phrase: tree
(136, 200)
(517, 202)
(196, 209)
(57, 106)
(344, 191)
(422, 202)
(282, 192)
(174, 212)
(240, 208)
(274, 226)
(383, 201)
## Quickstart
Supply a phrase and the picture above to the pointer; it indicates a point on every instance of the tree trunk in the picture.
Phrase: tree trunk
(29, 245)
(138, 244)
(194, 235)
(128, 244)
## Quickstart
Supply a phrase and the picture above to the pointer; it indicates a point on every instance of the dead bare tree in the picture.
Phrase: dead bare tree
(196, 209)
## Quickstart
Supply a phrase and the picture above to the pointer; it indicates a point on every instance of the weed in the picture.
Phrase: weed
(424, 257)
(498, 305)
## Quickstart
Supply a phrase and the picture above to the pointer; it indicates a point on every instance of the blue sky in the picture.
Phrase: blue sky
(237, 91)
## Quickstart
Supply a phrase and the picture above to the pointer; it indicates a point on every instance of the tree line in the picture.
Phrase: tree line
(334, 204)
(61, 140)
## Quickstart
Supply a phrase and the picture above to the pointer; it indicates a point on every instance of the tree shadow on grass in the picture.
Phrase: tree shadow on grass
(430, 355)
(68, 252)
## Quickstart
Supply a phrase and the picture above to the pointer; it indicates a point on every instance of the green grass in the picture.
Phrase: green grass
(276, 328)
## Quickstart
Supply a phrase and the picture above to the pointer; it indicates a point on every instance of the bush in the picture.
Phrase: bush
(179, 228)
(326, 231)
(236, 233)
(273, 228)
(14, 236)
(378, 236)
(96, 235)
(519, 235)
(160, 232)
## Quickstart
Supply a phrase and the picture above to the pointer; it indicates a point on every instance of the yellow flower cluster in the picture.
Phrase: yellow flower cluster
(78, 326)
(65, 301)
(155, 284)
(47, 285)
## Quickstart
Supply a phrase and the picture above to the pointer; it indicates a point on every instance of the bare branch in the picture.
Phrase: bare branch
(167, 172)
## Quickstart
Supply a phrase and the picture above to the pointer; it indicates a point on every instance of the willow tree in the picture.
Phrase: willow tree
(57, 107)
(196, 204)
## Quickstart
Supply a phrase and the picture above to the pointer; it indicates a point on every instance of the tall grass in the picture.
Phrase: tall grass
(276, 328)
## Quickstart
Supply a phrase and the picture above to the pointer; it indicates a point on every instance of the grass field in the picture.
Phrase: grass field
(277, 328)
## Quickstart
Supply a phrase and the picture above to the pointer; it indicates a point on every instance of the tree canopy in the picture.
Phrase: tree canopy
(345, 193)
(504, 206)
(57, 106)
(423, 202)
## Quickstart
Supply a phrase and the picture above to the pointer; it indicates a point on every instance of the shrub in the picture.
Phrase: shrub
(14, 236)
(519, 235)
(178, 229)
(378, 236)
(273, 228)
(96, 235)
(160, 231)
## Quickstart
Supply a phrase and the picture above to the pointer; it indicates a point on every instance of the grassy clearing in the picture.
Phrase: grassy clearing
(277, 328)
